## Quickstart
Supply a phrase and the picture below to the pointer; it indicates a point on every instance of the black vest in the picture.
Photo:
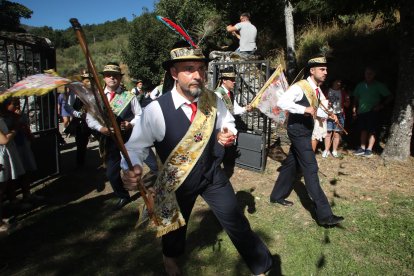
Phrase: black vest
(176, 126)
(301, 120)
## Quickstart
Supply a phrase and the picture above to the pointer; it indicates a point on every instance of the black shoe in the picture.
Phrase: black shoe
(121, 203)
(330, 221)
(283, 202)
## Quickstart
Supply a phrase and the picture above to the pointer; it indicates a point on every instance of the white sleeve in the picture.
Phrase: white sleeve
(238, 110)
(136, 110)
(149, 128)
(224, 117)
(92, 122)
(154, 93)
(288, 100)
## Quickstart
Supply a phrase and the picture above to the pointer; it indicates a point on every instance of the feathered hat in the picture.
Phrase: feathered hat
(183, 52)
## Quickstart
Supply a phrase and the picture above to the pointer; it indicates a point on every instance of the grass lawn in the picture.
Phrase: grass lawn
(75, 230)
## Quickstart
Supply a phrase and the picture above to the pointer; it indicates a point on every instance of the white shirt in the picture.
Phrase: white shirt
(155, 93)
(248, 33)
(136, 110)
(152, 127)
(288, 100)
(237, 109)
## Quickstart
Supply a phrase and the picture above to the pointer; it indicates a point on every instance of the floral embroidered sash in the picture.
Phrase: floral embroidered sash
(226, 99)
(309, 93)
(120, 102)
(179, 164)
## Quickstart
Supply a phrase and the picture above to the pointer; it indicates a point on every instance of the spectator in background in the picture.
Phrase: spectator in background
(370, 97)
(11, 165)
(338, 101)
(246, 32)
(62, 111)
(17, 122)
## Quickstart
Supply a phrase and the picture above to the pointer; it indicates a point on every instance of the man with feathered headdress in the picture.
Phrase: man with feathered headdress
(189, 126)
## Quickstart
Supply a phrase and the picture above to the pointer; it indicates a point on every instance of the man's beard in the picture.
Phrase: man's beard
(195, 92)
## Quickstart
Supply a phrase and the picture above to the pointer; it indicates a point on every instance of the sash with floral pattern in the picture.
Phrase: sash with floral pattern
(309, 93)
(179, 164)
(226, 99)
(120, 102)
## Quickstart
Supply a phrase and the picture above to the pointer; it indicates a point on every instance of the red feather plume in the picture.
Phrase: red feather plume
(178, 29)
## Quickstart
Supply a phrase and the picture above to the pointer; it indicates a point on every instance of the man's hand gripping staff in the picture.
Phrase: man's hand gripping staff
(225, 137)
(111, 123)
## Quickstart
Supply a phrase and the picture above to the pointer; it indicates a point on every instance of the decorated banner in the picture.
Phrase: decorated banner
(267, 98)
(92, 104)
(34, 85)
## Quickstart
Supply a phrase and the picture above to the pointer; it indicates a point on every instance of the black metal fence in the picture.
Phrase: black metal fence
(22, 55)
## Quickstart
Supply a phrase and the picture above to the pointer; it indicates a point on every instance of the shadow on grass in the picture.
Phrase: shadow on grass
(207, 235)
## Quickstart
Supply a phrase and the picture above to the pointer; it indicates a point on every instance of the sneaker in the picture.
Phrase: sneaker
(359, 152)
(336, 154)
(368, 153)
(325, 153)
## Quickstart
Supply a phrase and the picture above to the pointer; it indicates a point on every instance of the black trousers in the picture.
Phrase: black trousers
(301, 156)
(219, 195)
(82, 139)
(113, 168)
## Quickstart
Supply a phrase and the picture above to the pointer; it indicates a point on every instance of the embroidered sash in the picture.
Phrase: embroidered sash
(309, 93)
(226, 99)
(120, 102)
(179, 164)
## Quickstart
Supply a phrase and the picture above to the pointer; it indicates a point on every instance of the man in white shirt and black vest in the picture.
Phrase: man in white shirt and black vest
(225, 91)
(302, 101)
(188, 126)
(127, 111)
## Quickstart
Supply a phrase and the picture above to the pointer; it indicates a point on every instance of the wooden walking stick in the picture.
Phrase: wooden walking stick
(325, 109)
(116, 134)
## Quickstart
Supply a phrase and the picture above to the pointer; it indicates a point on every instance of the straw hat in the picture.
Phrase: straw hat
(179, 54)
(113, 68)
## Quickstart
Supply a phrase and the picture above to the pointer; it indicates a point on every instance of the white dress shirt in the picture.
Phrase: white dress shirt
(136, 110)
(237, 109)
(152, 127)
(288, 100)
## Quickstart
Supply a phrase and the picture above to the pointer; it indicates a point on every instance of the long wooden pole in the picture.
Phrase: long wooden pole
(116, 134)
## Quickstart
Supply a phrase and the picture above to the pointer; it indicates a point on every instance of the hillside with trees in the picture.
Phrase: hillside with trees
(351, 34)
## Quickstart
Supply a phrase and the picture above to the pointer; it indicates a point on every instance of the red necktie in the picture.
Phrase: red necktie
(229, 94)
(193, 106)
(111, 95)
(317, 92)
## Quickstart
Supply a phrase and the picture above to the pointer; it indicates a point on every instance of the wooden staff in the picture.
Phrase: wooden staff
(116, 134)
(329, 113)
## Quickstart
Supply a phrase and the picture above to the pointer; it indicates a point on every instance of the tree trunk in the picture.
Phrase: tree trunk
(398, 144)
(290, 42)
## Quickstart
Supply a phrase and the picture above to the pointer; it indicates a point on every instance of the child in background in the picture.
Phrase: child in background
(12, 167)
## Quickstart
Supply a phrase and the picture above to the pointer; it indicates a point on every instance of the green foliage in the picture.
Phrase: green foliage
(10, 14)
(71, 61)
(149, 45)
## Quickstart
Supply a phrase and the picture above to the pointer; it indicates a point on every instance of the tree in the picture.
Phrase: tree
(290, 41)
(10, 14)
(149, 45)
(398, 144)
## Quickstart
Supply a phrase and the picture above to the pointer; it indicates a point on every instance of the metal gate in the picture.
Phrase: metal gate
(21, 55)
(253, 127)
